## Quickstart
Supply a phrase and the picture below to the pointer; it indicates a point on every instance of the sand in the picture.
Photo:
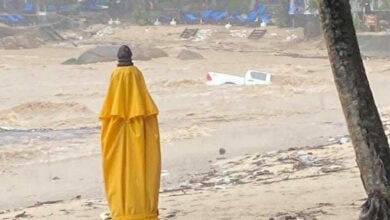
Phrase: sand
(261, 186)
(49, 145)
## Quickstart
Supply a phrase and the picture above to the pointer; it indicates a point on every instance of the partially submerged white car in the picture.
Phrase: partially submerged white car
(252, 77)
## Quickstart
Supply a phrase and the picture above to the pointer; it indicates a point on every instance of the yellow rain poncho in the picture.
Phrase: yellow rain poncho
(130, 147)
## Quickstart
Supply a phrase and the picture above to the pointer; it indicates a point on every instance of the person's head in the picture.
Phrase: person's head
(125, 56)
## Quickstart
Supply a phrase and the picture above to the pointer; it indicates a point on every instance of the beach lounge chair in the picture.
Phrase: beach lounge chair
(190, 17)
(265, 18)
(14, 19)
(165, 18)
(21, 18)
(261, 10)
(29, 8)
(257, 34)
(218, 16)
(237, 18)
(206, 16)
(251, 18)
(189, 32)
(259, 15)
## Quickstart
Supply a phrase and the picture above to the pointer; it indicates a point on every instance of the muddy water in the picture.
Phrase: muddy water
(19, 136)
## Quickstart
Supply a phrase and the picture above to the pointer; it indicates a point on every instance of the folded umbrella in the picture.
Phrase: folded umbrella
(130, 147)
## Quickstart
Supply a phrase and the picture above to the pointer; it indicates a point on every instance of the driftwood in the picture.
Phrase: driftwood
(363, 120)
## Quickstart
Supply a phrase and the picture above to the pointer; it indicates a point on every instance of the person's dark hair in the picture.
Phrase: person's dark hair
(125, 56)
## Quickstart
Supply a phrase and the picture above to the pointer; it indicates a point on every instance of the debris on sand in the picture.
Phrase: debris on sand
(109, 54)
(189, 55)
(257, 34)
(37, 204)
(374, 45)
(6, 31)
(21, 215)
(269, 168)
(202, 35)
(147, 53)
(104, 32)
(239, 33)
(27, 38)
(25, 41)
(189, 32)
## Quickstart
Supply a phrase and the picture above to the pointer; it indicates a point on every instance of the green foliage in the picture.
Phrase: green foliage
(312, 5)
(243, 5)
(282, 17)
(142, 18)
(385, 5)
(358, 23)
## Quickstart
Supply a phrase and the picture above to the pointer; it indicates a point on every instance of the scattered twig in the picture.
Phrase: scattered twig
(45, 203)
(21, 215)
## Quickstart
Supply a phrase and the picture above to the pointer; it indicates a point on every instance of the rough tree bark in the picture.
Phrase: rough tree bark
(363, 120)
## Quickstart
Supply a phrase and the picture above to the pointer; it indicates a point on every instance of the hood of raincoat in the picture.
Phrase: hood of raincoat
(127, 96)
(125, 56)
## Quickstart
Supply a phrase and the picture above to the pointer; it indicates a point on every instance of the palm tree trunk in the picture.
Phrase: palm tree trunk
(363, 120)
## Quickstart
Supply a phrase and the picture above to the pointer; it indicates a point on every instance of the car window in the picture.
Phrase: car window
(259, 76)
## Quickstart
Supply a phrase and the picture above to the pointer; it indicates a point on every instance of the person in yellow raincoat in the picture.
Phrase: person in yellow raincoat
(130, 144)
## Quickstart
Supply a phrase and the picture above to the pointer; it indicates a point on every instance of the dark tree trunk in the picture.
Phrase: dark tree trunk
(363, 120)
